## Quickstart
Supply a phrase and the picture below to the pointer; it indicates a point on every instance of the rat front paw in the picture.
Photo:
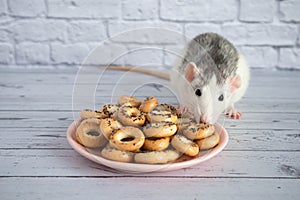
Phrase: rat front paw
(182, 109)
(232, 113)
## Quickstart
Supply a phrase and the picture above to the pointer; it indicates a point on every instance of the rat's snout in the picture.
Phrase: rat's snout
(205, 115)
(205, 119)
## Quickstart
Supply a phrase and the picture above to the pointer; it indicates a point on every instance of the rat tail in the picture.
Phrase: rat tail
(158, 74)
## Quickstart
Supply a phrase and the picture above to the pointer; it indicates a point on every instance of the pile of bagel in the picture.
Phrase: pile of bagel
(143, 132)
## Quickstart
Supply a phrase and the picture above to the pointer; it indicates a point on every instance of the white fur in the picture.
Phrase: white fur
(244, 72)
(207, 107)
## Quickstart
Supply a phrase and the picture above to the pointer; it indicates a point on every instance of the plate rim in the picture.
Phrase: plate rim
(140, 168)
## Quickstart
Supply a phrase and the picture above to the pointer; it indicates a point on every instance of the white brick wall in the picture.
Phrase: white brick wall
(38, 30)
(3, 7)
(87, 9)
(198, 10)
(27, 8)
(289, 57)
(257, 11)
(63, 32)
(261, 34)
(69, 53)
(6, 53)
(139, 10)
(27, 53)
(289, 11)
(86, 31)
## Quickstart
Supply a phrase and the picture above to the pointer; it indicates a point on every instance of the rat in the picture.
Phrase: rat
(209, 78)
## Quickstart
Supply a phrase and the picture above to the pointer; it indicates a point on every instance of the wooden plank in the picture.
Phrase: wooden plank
(36, 103)
(242, 140)
(261, 160)
(31, 77)
(14, 83)
(57, 119)
(263, 121)
(33, 138)
(132, 79)
(265, 164)
(264, 140)
(68, 75)
(148, 188)
(91, 91)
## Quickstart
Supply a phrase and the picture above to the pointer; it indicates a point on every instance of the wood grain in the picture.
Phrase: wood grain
(240, 139)
(149, 188)
(261, 160)
(266, 164)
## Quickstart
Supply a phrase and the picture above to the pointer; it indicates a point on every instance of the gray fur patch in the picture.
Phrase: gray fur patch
(212, 54)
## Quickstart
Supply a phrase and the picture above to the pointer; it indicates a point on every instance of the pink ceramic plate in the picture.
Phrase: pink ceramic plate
(183, 162)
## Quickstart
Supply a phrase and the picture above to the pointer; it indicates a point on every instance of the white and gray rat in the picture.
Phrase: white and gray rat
(209, 78)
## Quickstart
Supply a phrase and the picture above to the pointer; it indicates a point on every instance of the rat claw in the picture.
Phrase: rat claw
(185, 109)
(232, 113)
(238, 115)
(182, 110)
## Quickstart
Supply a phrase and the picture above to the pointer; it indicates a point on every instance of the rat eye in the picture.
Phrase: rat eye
(221, 98)
(198, 92)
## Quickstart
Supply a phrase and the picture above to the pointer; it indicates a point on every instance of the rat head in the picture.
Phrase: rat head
(210, 97)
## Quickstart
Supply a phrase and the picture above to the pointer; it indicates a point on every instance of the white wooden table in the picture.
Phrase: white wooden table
(261, 160)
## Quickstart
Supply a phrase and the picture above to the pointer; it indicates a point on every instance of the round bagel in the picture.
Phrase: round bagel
(109, 126)
(128, 138)
(156, 157)
(131, 116)
(208, 142)
(87, 113)
(156, 144)
(108, 110)
(184, 119)
(148, 104)
(88, 133)
(162, 113)
(133, 101)
(160, 129)
(116, 154)
(198, 131)
(184, 145)
(170, 108)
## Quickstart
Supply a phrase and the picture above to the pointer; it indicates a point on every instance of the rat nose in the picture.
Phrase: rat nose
(204, 119)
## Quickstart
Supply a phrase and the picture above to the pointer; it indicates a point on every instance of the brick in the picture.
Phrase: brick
(260, 57)
(86, 31)
(39, 30)
(298, 41)
(289, 10)
(84, 9)
(192, 30)
(27, 8)
(4, 35)
(143, 55)
(139, 10)
(6, 53)
(69, 53)
(261, 34)
(194, 10)
(257, 11)
(106, 54)
(173, 53)
(3, 7)
(145, 32)
(32, 53)
(289, 58)
(256, 56)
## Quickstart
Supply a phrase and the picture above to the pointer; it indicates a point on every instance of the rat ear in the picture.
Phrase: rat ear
(190, 71)
(235, 83)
